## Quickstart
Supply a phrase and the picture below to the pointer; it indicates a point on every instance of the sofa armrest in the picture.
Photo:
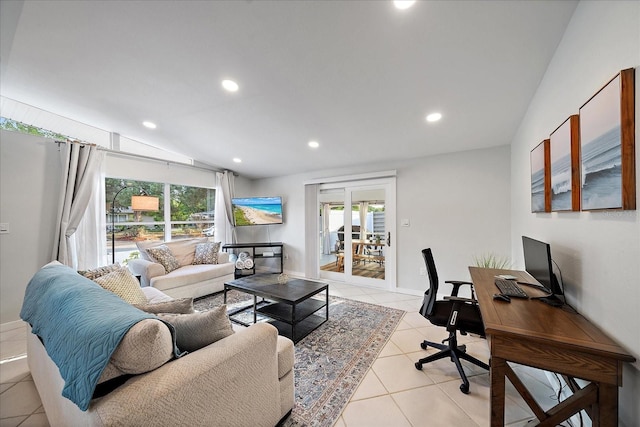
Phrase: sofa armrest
(223, 257)
(231, 382)
(146, 270)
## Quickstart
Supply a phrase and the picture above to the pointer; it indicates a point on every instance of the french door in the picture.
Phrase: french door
(356, 229)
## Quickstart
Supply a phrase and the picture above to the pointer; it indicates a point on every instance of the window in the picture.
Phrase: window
(190, 214)
(16, 126)
(192, 211)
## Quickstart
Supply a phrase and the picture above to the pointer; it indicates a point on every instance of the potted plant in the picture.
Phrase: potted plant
(491, 260)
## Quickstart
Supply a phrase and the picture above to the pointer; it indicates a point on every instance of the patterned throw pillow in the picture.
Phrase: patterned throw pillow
(207, 253)
(197, 330)
(100, 271)
(122, 283)
(162, 255)
(178, 306)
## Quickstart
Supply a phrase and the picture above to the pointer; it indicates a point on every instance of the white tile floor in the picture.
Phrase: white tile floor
(393, 392)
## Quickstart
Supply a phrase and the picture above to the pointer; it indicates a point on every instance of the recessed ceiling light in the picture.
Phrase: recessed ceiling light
(403, 4)
(313, 144)
(230, 85)
(237, 160)
(434, 117)
(149, 125)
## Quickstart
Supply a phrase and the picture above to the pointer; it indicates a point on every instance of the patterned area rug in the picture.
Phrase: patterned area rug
(330, 362)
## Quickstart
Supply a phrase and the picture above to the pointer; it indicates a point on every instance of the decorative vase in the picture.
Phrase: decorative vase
(283, 278)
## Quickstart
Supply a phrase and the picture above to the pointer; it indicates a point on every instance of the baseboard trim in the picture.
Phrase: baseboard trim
(4, 327)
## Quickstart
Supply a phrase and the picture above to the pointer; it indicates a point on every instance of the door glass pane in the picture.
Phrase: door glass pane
(331, 226)
(368, 232)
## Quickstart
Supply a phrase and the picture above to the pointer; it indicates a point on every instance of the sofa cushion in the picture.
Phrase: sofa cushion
(163, 255)
(197, 330)
(183, 250)
(207, 253)
(145, 347)
(192, 274)
(154, 295)
(178, 306)
(100, 271)
(122, 283)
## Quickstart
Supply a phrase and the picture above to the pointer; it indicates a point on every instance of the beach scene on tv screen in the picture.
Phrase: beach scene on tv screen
(257, 210)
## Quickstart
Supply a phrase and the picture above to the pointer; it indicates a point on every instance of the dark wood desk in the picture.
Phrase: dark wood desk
(559, 340)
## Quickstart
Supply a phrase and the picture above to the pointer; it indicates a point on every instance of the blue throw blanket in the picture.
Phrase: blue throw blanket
(80, 324)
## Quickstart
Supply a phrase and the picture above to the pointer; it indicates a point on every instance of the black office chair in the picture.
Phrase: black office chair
(454, 313)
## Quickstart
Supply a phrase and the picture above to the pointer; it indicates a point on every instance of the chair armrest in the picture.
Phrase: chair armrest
(458, 282)
(234, 377)
(146, 270)
(456, 286)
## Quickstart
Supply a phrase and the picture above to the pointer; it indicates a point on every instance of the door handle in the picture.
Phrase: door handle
(389, 239)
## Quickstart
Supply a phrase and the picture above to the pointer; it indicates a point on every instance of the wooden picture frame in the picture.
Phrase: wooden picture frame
(564, 160)
(540, 178)
(607, 146)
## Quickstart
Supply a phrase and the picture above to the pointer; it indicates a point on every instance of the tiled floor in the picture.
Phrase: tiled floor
(392, 394)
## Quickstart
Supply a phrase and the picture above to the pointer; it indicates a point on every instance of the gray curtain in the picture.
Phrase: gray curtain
(364, 207)
(224, 225)
(326, 234)
(81, 165)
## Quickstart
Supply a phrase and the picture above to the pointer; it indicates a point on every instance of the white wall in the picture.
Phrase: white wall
(457, 204)
(598, 252)
(29, 188)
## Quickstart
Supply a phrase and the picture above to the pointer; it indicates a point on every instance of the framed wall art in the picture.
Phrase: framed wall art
(564, 157)
(607, 146)
(540, 178)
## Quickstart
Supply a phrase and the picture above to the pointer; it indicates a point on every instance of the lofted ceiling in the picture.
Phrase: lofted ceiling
(358, 77)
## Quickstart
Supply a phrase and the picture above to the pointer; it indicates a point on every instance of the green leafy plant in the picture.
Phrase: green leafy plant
(491, 260)
(132, 255)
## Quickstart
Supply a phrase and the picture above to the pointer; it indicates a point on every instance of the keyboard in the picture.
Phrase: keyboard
(510, 288)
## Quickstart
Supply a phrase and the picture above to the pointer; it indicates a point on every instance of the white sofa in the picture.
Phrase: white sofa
(188, 280)
(244, 379)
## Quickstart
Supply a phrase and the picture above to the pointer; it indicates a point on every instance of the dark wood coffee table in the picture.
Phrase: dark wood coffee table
(289, 306)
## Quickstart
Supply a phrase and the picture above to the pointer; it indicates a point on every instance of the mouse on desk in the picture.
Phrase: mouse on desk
(502, 297)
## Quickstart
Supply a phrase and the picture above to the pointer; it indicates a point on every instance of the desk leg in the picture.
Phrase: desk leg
(607, 408)
(497, 373)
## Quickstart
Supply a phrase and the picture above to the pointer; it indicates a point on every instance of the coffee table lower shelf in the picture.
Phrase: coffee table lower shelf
(302, 329)
(305, 321)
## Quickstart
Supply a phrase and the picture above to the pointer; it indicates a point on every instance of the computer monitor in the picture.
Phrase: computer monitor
(537, 261)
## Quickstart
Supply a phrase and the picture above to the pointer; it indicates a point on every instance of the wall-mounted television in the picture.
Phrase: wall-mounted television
(257, 210)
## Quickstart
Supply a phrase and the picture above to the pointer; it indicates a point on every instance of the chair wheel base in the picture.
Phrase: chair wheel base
(464, 388)
(423, 345)
(418, 366)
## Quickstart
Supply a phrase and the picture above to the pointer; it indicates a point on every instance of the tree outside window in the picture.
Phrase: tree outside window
(191, 214)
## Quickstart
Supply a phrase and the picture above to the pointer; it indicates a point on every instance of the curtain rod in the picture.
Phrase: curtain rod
(141, 156)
